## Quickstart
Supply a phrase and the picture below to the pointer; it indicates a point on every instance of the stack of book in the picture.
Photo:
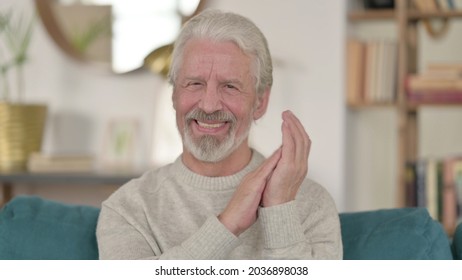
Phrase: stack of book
(436, 183)
(371, 71)
(440, 83)
(42, 163)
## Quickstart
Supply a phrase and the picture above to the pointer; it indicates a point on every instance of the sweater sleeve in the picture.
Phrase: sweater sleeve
(289, 234)
(119, 239)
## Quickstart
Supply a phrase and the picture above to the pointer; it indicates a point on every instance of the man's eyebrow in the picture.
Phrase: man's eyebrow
(233, 81)
(192, 78)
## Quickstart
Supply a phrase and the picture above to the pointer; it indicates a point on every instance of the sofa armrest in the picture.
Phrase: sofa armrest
(34, 228)
(393, 234)
(457, 243)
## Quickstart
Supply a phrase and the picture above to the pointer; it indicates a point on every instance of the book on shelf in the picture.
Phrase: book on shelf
(371, 71)
(433, 84)
(438, 83)
(436, 183)
(45, 163)
(355, 71)
(452, 5)
(443, 5)
(435, 97)
(432, 199)
(410, 184)
(450, 204)
(457, 174)
(444, 70)
(437, 76)
(421, 195)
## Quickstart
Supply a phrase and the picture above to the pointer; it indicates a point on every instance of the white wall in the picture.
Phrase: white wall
(306, 40)
(371, 141)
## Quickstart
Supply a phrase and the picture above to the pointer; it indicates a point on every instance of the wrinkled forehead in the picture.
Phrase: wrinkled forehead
(206, 57)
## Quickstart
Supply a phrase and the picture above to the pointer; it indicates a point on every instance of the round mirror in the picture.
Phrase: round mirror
(123, 34)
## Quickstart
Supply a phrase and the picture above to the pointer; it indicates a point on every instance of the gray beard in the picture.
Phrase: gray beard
(208, 148)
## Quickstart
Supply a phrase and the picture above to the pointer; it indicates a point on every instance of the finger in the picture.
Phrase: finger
(265, 170)
(302, 145)
(270, 163)
(288, 144)
(301, 138)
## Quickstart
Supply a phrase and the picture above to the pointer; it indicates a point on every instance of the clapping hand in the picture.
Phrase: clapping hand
(292, 167)
(274, 182)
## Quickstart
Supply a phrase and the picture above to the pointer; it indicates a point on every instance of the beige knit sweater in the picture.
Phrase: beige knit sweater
(171, 213)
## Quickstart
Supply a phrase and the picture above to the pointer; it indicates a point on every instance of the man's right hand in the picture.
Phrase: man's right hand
(241, 211)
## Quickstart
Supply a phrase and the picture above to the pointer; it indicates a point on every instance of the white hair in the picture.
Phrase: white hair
(221, 26)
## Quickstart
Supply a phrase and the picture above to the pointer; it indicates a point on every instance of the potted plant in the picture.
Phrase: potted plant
(21, 124)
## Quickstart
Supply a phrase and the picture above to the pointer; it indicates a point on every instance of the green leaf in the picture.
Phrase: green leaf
(81, 40)
(16, 34)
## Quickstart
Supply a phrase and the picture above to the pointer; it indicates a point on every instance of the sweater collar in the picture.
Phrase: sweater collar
(185, 176)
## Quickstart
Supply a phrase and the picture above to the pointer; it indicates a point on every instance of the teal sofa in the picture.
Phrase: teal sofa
(35, 228)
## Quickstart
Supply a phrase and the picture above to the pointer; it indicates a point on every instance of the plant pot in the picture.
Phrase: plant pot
(21, 133)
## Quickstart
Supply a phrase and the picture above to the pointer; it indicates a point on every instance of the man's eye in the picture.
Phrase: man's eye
(230, 87)
(193, 85)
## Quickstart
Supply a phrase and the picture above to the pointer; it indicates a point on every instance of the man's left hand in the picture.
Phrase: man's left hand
(292, 167)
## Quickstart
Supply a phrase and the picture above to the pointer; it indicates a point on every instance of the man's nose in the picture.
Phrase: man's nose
(211, 100)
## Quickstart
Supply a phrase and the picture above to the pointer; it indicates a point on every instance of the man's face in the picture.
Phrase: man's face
(214, 98)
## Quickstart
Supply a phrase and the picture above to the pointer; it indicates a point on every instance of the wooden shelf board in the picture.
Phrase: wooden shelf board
(365, 105)
(416, 105)
(371, 15)
(390, 14)
(448, 14)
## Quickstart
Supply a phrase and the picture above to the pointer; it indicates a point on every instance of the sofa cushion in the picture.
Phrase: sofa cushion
(34, 228)
(457, 243)
(393, 234)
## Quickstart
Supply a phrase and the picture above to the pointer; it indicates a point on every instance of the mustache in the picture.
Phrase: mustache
(200, 115)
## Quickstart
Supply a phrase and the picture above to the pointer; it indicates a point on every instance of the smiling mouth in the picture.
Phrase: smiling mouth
(210, 125)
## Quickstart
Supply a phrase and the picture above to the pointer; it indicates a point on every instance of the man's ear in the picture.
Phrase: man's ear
(261, 104)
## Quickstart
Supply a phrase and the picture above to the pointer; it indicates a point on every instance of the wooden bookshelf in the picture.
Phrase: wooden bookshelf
(406, 18)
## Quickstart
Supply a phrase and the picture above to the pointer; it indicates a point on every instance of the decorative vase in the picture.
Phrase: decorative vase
(21, 133)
